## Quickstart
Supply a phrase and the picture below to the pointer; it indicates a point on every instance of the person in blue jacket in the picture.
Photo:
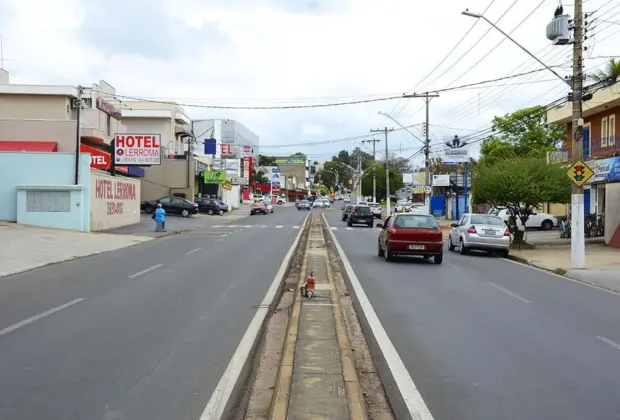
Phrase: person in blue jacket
(160, 218)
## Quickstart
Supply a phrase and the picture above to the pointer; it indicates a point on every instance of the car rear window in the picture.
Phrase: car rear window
(373, 205)
(486, 219)
(415, 222)
(361, 209)
(304, 202)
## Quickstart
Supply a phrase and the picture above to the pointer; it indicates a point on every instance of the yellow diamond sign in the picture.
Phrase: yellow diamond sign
(579, 173)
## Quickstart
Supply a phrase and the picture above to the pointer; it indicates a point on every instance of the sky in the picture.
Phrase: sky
(300, 52)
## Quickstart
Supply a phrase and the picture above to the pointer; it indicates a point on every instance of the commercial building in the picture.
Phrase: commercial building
(241, 148)
(601, 152)
(297, 170)
(177, 172)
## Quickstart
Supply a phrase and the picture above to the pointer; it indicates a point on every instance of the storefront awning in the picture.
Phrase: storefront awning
(28, 146)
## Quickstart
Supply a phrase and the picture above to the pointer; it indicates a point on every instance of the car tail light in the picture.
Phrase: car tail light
(472, 230)
(507, 232)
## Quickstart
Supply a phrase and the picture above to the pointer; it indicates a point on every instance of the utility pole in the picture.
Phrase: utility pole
(359, 177)
(578, 251)
(386, 130)
(427, 146)
(78, 133)
(374, 167)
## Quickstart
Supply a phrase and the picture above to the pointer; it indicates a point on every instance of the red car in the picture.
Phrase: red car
(411, 234)
(260, 207)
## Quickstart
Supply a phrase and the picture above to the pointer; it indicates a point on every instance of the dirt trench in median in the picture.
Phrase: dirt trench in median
(267, 360)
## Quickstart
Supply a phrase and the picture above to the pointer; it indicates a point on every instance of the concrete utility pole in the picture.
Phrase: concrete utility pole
(359, 178)
(427, 145)
(78, 133)
(386, 130)
(578, 251)
(374, 167)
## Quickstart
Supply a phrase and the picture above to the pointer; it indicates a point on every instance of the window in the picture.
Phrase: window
(165, 200)
(416, 222)
(604, 132)
(611, 132)
(108, 125)
(480, 219)
(361, 210)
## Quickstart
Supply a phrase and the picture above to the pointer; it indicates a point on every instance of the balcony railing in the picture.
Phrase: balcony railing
(606, 146)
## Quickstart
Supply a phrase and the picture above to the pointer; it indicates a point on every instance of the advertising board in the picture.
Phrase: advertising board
(137, 149)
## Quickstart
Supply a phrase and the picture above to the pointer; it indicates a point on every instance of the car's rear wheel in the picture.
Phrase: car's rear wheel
(210, 212)
(185, 213)
(149, 209)
(221, 212)
(462, 248)
(349, 223)
(380, 252)
(438, 258)
(546, 225)
(389, 256)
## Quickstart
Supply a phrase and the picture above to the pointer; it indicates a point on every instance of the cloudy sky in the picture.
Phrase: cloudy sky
(299, 52)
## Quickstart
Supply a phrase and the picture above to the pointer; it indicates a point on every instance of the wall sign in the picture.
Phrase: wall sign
(108, 108)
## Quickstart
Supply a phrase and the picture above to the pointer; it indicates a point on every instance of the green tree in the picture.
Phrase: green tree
(351, 159)
(611, 74)
(524, 133)
(298, 154)
(328, 174)
(396, 181)
(264, 160)
(519, 184)
(259, 177)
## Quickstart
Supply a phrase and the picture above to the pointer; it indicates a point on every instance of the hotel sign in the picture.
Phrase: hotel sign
(108, 108)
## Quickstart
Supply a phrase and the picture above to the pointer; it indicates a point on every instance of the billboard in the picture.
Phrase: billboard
(214, 177)
(457, 151)
(441, 180)
(137, 149)
(291, 161)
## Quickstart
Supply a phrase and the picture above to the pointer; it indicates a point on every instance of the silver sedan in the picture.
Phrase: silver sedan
(480, 232)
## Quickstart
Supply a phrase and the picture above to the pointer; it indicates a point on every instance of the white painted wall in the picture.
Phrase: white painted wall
(114, 201)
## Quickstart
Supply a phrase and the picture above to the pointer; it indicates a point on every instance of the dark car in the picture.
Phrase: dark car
(303, 205)
(410, 234)
(260, 208)
(212, 206)
(346, 211)
(172, 205)
(360, 215)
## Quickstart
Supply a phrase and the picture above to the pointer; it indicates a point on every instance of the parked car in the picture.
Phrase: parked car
(537, 220)
(346, 211)
(480, 232)
(212, 206)
(303, 205)
(375, 209)
(172, 205)
(360, 215)
(410, 234)
(259, 208)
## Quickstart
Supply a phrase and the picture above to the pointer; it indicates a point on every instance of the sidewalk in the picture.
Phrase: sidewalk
(317, 378)
(602, 263)
(25, 248)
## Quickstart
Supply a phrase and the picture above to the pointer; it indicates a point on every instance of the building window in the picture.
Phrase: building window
(108, 125)
(604, 132)
(611, 133)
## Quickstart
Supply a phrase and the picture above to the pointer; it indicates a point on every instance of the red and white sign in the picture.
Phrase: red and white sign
(275, 189)
(246, 151)
(246, 167)
(226, 150)
(137, 149)
(98, 158)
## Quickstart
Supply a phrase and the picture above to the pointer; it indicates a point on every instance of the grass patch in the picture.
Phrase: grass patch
(559, 271)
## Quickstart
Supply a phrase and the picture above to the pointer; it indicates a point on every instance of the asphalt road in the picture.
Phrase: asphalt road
(141, 333)
(487, 339)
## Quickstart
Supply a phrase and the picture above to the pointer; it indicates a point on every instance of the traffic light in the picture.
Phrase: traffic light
(579, 170)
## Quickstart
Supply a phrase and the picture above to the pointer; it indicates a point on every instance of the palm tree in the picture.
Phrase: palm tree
(611, 74)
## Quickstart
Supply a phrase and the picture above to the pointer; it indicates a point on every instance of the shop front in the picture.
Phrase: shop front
(602, 196)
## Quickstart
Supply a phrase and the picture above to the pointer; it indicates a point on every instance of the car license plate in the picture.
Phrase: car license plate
(417, 247)
(489, 231)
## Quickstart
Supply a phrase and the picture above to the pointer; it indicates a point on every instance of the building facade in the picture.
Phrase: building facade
(177, 172)
(601, 152)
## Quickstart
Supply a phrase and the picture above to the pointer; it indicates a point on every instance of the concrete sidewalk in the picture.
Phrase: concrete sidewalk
(25, 247)
(317, 377)
(602, 263)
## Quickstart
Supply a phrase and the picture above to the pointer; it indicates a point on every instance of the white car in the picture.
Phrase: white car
(375, 209)
(401, 204)
(537, 220)
(319, 204)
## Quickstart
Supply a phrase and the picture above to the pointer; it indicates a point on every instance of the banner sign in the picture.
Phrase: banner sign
(210, 146)
(290, 161)
(227, 151)
(275, 182)
(214, 177)
(457, 151)
(137, 149)
(441, 180)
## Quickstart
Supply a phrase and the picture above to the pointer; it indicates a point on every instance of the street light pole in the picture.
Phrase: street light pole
(374, 167)
(387, 168)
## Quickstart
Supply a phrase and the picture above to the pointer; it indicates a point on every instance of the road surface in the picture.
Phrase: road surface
(140, 333)
(488, 339)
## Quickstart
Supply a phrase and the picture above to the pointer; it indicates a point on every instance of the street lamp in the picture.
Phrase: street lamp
(481, 16)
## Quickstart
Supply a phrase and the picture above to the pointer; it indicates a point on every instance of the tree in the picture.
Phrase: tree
(396, 181)
(401, 164)
(519, 184)
(298, 154)
(328, 174)
(264, 160)
(259, 177)
(524, 133)
(351, 159)
(610, 75)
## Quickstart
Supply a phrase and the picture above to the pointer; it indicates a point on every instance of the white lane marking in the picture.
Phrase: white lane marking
(263, 226)
(608, 341)
(146, 270)
(408, 389)
(509, 293)
(295, 227)
(334, 228)
(20, 324)
(349, 228)
(248, 226)
(216, 226)
(224, 235)
(218, 240)
(279, 227)
(193, 251)
(223, 390)
(583, 283)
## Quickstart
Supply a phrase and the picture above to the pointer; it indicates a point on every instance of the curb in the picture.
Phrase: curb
(282, 388)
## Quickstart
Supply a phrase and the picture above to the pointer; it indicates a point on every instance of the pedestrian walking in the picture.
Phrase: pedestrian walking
(160, 219)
